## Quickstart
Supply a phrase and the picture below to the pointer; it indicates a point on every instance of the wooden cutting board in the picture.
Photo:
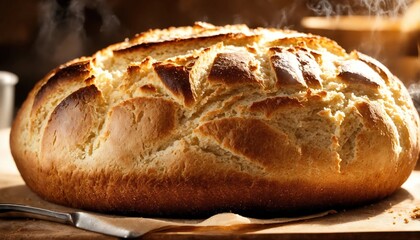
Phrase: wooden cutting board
(388, 219)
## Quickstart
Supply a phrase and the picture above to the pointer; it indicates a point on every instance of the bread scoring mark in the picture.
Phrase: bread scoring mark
(310, 68)
(371, 114)
(357, 72)
(154, 116)
(72, 125)
(143, 124)
(287, 69)
(75, 72)
(375, 65)
(362, 124)
(232, 69)
(176, 79)
(295, 67)
(253, 139)
(309, 41)
(79, 97)
(270, 106)
(201, 40)
(198, 28)
(379, 136)
(376, 120)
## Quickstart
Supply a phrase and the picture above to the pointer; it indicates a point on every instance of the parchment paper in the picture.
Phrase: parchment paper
(138, 226)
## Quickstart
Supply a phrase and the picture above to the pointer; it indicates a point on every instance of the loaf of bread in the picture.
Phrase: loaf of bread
(192, 121)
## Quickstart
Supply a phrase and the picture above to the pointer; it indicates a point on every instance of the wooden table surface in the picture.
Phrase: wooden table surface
(387, 219)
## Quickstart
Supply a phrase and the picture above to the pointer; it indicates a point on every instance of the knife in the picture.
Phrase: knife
(134, 227)
(82, 220)
(117, 226)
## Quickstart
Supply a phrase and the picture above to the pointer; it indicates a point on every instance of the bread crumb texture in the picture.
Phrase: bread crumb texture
(203, 119)
(416, 213)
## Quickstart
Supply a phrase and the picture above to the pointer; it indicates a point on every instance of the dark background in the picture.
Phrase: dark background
(36, 36)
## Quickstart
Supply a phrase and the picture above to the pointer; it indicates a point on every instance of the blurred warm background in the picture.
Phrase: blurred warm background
(37, 35)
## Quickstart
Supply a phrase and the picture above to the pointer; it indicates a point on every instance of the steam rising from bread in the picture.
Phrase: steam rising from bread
(62, 34)
(389, 8)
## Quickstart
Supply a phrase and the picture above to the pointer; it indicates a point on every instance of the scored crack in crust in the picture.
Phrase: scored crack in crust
(191, 121)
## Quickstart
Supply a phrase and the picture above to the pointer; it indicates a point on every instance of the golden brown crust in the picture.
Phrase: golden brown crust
(287, 69)
(159, 44)
(375, 65)
(71, 126)
(61, 78)
(176, 79)
(271, 105)
(310, 69)
(252, 139)
(231, 69)
(143, 125)
(197, 120)
(199, 41)
(311, 41)
(357, 72)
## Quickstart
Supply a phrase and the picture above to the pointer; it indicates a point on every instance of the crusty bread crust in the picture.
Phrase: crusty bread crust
(197, 120)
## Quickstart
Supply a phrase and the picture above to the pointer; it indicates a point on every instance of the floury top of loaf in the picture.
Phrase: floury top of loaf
(214, 115)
